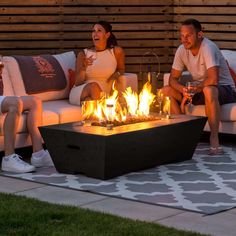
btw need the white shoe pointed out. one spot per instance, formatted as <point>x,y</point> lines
<point>42,161</point>
<point>14,163</point>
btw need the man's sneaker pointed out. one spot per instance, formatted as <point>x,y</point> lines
<point>14,163</point>
<point>42,161</point>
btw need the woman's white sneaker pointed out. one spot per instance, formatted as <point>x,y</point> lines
<point>14,163</point>
<point>44,160</point>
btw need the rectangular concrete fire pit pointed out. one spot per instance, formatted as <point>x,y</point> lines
<point>104,154</point>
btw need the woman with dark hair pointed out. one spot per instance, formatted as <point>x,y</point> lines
<point>98,66</point>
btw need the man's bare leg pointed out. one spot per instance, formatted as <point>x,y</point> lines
<point>176,98</point>
<point>213,113</point>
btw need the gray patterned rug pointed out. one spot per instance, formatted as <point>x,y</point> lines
<point>204,184</point>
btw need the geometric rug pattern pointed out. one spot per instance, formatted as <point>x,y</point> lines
<point>205,184</point>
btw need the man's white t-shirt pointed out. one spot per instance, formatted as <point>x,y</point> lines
<point>209,55</point>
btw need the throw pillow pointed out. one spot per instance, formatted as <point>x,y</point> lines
<point>41,73</point>
<point>232,72</point>
<point>66,60</point>
<point>71,78</point>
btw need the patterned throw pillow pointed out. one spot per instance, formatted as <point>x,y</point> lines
<point>66,59</point>
<point>41,73</point>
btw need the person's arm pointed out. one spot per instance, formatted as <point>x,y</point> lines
<point>211,80</point>
<point>120,58</point>
<point>174,80</point>
<point>80,69</point>
<point>81,64</point>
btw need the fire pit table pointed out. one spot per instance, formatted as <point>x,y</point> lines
<point>101,153</point>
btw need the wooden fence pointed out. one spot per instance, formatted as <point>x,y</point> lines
<point>32,27</point>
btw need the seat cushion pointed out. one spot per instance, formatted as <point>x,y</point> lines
<point>7,85</point>
<point>228,111</point>
<point>230,56</point>
<point>65,111</point>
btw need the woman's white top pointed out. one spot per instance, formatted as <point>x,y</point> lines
<point>100,71</point>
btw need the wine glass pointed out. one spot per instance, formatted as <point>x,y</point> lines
<point>159,98</point>
<point>91,54</point>
<point>191,90</point>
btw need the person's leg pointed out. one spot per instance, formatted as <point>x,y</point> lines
<point>13,106</point>
<point>212,108</point>
<point>91,91</point>
<point>33,106</point>
<point>176,98</point>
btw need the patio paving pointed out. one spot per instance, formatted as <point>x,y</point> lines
<point>221,224</point>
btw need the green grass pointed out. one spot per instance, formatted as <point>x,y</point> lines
<point>24,216</point>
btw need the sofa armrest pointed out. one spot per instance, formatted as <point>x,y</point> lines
<point>128,80</point>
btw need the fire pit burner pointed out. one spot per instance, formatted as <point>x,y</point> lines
<point>131,120</point>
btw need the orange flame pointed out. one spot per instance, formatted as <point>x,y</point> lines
<point>109,109</point>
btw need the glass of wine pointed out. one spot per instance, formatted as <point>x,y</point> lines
<point>91,54</point>
<point>191,90</point>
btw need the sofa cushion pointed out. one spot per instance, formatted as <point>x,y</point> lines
<point>66,60</point>
<point>7,85</point>
<point>230,56</point>
<point>232,73</point>
<point>65,111</point>
<point>228,111</point>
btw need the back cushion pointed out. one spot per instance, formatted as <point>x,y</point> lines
<point>230,56</point>
<point>7,85</point>
<point>66,60</point>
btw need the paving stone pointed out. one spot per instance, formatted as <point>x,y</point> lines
<point>11,185</point>
<point>132,209</point>
<point>62,196</point>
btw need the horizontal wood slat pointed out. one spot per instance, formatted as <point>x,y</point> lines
<point>210,10</point>
<point>84,18</point>
<point>208,18</point>
<point>82,44</point>
<point>83,35</point>
<point>85,2</point>
<point>204,2</point>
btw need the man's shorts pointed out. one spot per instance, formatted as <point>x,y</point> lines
<point>1,100</point>
<point>226,95</point>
